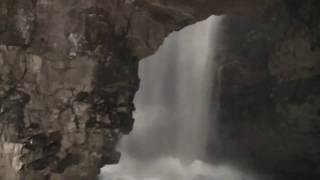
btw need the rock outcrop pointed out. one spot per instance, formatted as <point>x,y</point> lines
<point>68,76</point>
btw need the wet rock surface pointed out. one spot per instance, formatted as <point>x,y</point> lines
<point>269,75</point>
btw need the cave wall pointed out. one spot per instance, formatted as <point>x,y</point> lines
<point>269,77</point>
<point>68,75</point>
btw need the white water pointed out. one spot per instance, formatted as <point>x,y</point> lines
<point>173,116</point>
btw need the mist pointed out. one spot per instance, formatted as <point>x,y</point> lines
<point>173,116</point>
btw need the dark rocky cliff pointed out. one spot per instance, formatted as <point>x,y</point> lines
<point>269,72</point>
<point>68,75</point>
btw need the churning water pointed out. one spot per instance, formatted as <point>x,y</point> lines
<point>172,119</point>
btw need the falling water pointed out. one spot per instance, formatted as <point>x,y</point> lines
<point>173,116</point>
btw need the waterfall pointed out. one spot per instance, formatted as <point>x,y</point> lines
<point>173,113</point>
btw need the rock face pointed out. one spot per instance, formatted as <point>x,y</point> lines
<point>269,71</point>
<point>68,75</point>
